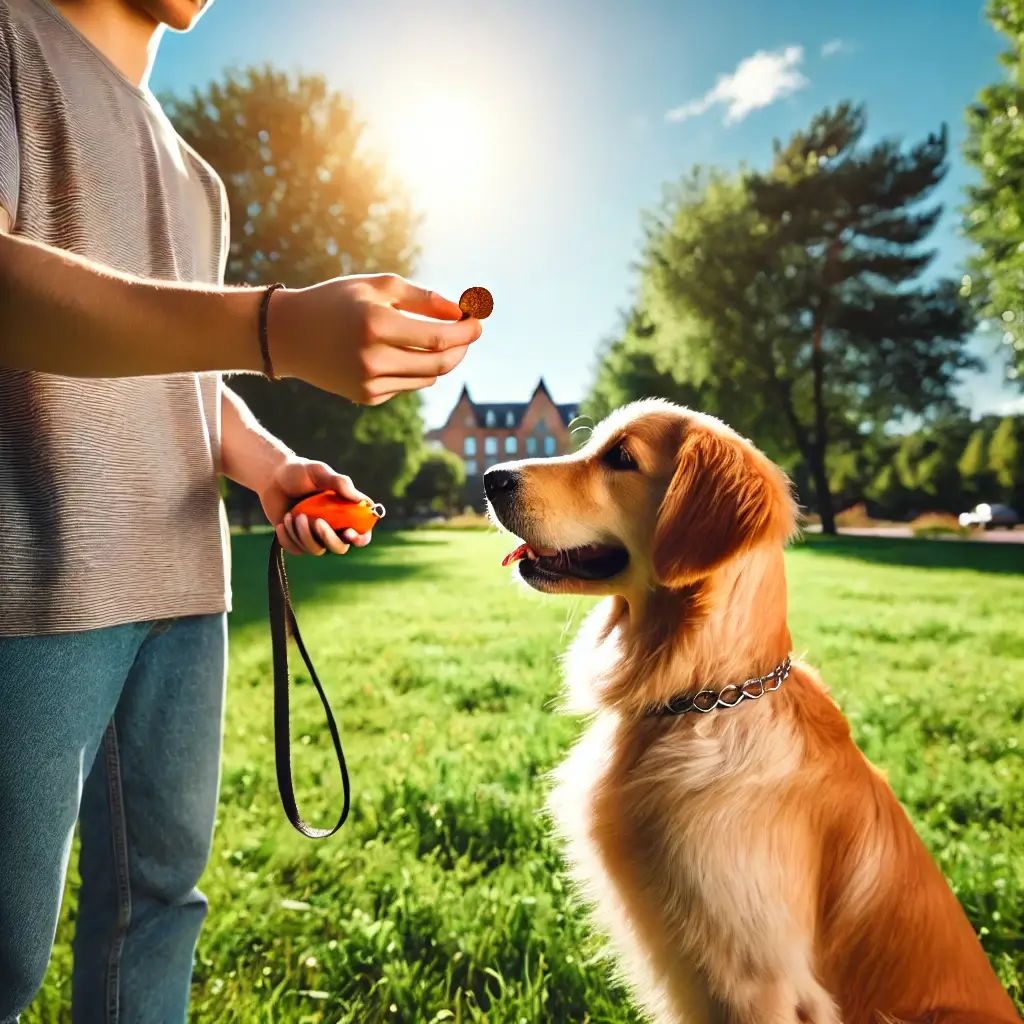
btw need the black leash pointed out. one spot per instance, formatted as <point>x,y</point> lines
<point>283,625</point>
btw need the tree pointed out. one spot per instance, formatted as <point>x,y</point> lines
<point>994,218</point>
<point>792,297</point>
<point>438,482</point>
<point>973,464</point>
<point>628,370</point>
<point>923,473</point>
<point>1005,456</point>
<point>645,361</point>
<point>884,344</point>
<point>308,203</point>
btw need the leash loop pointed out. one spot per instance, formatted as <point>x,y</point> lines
<point>283,625</point>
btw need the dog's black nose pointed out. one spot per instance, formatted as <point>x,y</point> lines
<point>500,483</point>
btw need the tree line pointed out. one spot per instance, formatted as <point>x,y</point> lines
<point>308,201</point>
<point>795,302</point>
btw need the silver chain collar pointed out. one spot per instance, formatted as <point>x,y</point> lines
<point>727,697</point>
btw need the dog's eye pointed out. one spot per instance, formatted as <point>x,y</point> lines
<point>618,457</point>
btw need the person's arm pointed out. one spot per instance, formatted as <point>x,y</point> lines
<point>249,454</point>
<point>254,458</point>
<point>62,314</point>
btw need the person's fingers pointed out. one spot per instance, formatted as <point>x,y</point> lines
<point>412,298</point>
<point>344,486</point>
<point>387,387</point>
<point>329,538</point>
<point>397,364</point>
<point>405,383</point>
<point>359,540</point>
<point>289,529</point>
<point>326,479</point>
<point>309,543</point>
<point>393,328</point>
<point>287,544</point>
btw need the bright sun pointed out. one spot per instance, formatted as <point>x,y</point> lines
<point>441,145</point>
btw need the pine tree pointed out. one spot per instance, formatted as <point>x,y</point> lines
<point>848,222</point>
<point>792,298</point>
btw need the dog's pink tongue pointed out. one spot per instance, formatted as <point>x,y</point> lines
<point>516,556</point>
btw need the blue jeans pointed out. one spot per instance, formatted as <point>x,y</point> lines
<point>121,729</point>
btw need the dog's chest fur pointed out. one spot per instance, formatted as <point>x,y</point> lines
<point>670,832</point>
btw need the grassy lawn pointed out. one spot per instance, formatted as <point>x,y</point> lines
<point>443,899</point>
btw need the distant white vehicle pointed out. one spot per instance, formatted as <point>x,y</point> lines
<point>990,517</point>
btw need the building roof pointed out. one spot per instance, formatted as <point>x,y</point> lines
<point>509,415</point>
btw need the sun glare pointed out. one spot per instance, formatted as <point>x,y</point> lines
<point>441,145</point>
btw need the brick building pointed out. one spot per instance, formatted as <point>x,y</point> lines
<point>485,433</point>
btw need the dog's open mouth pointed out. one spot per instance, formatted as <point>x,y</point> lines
<point>592,562</point>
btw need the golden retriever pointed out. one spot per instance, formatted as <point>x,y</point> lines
<point>746,860</point>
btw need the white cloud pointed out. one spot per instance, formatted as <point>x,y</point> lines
<point>1011,407</point>
<point>835,46</point>
<point>758,81</point>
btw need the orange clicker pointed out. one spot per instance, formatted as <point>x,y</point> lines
<point>340,513</point>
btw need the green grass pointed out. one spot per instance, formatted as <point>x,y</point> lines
<point>443,898</point>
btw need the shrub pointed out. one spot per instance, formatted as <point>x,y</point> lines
<point>938,524</point>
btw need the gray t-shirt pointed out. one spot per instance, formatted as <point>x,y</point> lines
<point>110,506</point>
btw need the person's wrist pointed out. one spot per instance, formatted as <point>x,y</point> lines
<point>285,316</point>
<point>236,323</point>
<point>276,458</point>
<point>254,458</point>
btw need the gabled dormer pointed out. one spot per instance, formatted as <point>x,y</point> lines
<point>464,415</point>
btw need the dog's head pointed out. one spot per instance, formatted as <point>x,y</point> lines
<point>659,497</point>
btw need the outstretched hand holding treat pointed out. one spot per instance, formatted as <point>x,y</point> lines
<point>386,352</point>
<point>348,335</point>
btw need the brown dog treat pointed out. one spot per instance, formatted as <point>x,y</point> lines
<point>476,302</point>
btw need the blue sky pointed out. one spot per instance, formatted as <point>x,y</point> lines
<point>533,132</point>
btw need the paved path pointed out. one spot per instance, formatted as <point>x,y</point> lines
<point>904,533</point>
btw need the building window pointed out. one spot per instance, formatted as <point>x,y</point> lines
<point>511,447</point>
<point>469,446</point>
<point>510,420</point>
<point>470,467</point>
<point>490,462</point>
<point>470,421</point>
<point>531,446</point>
<point>490,446</point>
<point>490,418</point>
<point>549,445</point>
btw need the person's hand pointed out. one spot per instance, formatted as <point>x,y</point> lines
<point>350,336</point>
<point>295,478</point>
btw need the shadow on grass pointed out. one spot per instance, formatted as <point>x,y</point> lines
<point>308,576</point>
<point>975,556</point>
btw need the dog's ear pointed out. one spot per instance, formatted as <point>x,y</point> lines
<point>717,505</point>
